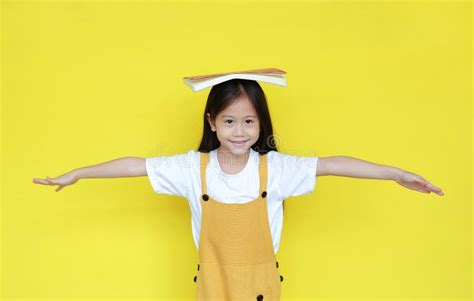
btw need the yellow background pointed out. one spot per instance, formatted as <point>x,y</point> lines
<point>88,82</point>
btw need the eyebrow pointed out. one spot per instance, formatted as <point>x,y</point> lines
<point>244,116</point>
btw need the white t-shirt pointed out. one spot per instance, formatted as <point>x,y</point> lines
<point>287,176</point>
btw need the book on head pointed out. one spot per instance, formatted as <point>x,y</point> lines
<point>269,75</point>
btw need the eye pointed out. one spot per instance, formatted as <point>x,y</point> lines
<point>251,121</point>
<point>228,120</point>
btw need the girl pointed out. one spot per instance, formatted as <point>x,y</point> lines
<point>236,184</point>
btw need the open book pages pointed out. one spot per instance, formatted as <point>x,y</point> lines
<point>270,75</point>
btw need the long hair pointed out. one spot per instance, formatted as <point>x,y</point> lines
<point>224,94</point>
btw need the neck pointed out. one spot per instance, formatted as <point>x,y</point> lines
<point>227,156</point>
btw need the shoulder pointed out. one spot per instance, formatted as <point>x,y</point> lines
<point>285,160</point>
<point>295,174</point>
<point>183,159</point>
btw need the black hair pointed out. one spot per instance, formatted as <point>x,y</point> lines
<point>224,94</point>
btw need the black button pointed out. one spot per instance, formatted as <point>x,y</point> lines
<point>264,194</point>
<point>198,266</point>
<point>277,263</point>
<point>195,277</point>
<point>281,278</point>
<point>205,197</point>
<point>260,297</point>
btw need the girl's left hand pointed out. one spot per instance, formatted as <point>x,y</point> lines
<point>416,182</point>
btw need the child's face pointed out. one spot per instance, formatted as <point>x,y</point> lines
<point>237,122</point>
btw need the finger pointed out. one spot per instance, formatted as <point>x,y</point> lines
<point>41,181</point>
<point>437,190</point>
<point>432,187</point>
<point>428,185</point>
<point>51,181</point>
<point>422,181</point>
<point>422,190</point>
<point>60,187</point>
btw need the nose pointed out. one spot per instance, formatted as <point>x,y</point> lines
<point>238,130</point>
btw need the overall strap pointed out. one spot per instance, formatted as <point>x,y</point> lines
<point>262,168</point>
<point>204,160</point>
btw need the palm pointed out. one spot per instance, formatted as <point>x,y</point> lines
<point>62,180</point>
<point>418,183</point>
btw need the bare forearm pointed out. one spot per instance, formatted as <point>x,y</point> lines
<point>352,167</point>
<point>121,167</point>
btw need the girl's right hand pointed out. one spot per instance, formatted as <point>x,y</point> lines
<point>62,180</point>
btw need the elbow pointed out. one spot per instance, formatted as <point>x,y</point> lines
<point>324,166</point>
<point>137,167</point>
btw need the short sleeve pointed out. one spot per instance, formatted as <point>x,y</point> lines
<point>171,174</point>
<point>296,174</point>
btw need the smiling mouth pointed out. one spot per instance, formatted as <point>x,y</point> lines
<point>239,142</point>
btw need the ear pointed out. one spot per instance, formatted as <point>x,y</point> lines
<point>211,122</point>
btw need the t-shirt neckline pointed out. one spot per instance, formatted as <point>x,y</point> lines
<point>217,165</point>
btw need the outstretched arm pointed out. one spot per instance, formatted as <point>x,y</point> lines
<point>352,167</point>
<point>121,167</point>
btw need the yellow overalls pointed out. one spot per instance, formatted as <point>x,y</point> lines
<point>236,257</point>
